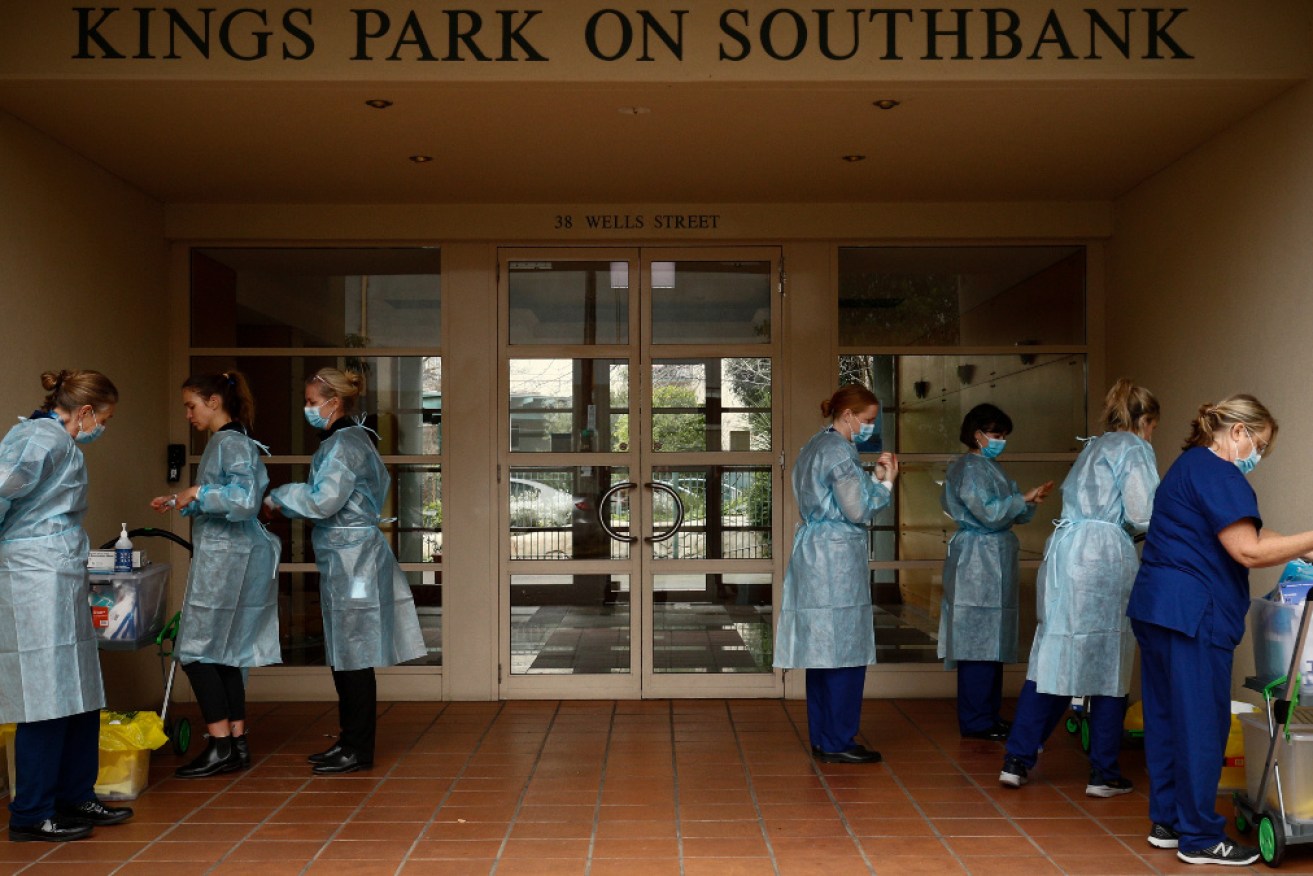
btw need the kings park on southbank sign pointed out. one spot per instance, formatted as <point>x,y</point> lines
<point>759,33</point>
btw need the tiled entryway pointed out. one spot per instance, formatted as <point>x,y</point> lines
<point>721,787</point>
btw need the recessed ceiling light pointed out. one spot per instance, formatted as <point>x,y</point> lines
<point>378,103</point>
<point>886,103</point>
<point>421,159</point>
<point>853,159</point>
<point>634,110</point>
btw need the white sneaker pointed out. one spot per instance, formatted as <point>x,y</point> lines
<point>1226,853</point>
<point>1014,774</point>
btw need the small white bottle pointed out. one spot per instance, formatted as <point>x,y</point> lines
<point>123,551</point>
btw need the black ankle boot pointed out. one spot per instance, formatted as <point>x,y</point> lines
<point>220,756</point>
<point>243,750</point>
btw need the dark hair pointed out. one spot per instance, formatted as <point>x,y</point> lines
<point>233,392</point>
<point>983,418</point>
<point>70,390</point>
<point>853,397</point>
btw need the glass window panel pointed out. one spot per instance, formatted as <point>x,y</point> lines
<point>712,623</point>
<point>554,513</point>
<point>272,297</point>
<point>908,604</point>
<point>969,296</point>
<point>711,404</point>
<point>569,405</point>
<point>568,302</point>
<point>415,498</point>
<point>926,397</point>
<point>730,520</point>
<point>569,624</point>
<point>301,619</point>
<point>402,402</point>
<point>697,302</point>
<point>923,529</point>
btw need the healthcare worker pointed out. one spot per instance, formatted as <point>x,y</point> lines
<point>1187,610</point>
<point>369,613</point>
<point>230,612</point>
<point>825,623</point>
<point>978,615</point>
<point>1083,642</point>
<point>50,683</point>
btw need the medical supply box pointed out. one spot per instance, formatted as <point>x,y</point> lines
<point>1296,759</point>
<point>1273,627</point>
<point>103,561</point>
<point>128,608</point>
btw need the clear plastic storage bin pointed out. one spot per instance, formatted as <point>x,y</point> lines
<point>1273,627</point>
<point>127,608</point>
<point>1294,766</point>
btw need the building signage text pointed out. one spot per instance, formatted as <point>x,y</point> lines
<point>739,34</point>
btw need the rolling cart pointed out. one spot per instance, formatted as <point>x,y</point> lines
<point>1280,803</point>
<point>164,635</point>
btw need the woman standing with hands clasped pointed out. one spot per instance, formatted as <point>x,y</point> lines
<point>1187,610</point>
<point>1083,642</point>
<point>50,683</point>
<point>825,624</point>
<point>230,612</point>
<point>369,613</point>
<point>978,618</point>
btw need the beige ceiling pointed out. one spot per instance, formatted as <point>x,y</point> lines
<point>185,142</point>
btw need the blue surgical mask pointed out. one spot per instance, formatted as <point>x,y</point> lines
<point>993,447</point>
<point>315,418</point>
<point>87,437</point>
<point>1250,462</point>
<point>864,432</point>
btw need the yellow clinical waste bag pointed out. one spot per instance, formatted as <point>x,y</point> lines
<point>126,741</point>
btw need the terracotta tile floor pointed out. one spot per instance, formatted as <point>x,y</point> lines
<point>689,787</point>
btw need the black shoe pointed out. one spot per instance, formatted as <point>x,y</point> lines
<point>93,813</point>
<point>327,754</point>
<point>1225,852</point>
<point>1114,787</point>
<point>220,756</point>
<point>1014,773</point>
<point>343,762</point>
<point>856,754</point>
<point>243,750</point>
<point>996,733</point>
<point>1163,837</point>
<point>48,831</point>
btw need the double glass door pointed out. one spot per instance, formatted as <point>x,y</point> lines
<point>638,474</point>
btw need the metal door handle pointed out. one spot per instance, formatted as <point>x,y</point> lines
<point>601,512</point>
<point>657,486</point>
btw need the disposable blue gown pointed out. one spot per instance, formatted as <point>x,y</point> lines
<point>230,613</point>
<point>825,617</point>
<point>1083,643</point>
<point>978,619</point>
<point>369,612</point>
<point>49,667</point>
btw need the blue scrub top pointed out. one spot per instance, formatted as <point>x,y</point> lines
<point>1186,575</point>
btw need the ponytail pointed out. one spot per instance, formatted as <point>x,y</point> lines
<point>1214,418</point>
<point>853,397</point>
<point>1127,406</point>
<point>233,391</point>
<point>347,386</point>
<point>70,390</point>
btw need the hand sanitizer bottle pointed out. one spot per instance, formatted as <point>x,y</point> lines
<point>123,551</point>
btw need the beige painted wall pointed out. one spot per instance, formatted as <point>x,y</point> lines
<point>82,286</point>
<point>1209,294</point>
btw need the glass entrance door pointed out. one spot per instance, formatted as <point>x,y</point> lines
<point>639,472</point>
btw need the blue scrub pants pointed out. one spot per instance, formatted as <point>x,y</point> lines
<point>55,765</point>
<point>834,706</point>
<point>1186,682</point>
<point>979,694</point>
<point>1038,715</point>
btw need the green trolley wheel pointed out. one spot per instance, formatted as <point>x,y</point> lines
<point>1242,825</point>
<point>1085,735</point>
<point>1072,725</point>
<point>181,736</point>
<point>1271,840</point>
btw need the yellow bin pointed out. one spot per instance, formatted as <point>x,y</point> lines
<point>1233,762</point>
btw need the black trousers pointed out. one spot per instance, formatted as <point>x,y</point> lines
<point>219,690</point>
<point>357,710</point>
<point>56,763</point>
